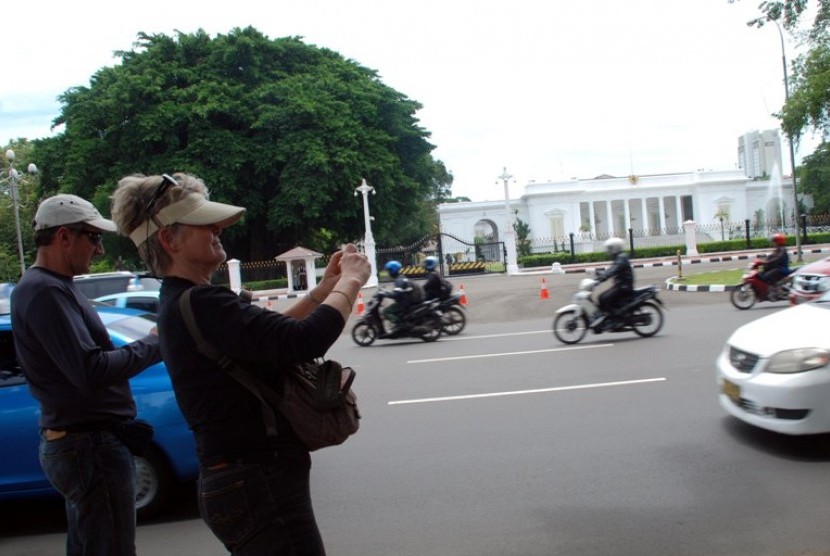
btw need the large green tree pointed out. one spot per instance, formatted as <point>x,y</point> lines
<point>814,177</point>
<point>808,105</point>
<point>790,12</point>
<point>286,129</point>
<point>27,193</point>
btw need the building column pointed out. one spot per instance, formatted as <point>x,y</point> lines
<point>661,214</point>
<point>610,217</point>
<point>644,212</point>
<point>627,215</point>
<point>592,219</point>
<point>679,204</point>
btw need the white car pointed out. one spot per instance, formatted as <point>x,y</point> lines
<point>774,372</point>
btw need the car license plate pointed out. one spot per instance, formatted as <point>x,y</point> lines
<point>731,390</point>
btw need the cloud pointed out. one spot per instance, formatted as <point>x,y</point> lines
<point>548,88</point>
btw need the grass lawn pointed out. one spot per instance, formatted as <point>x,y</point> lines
<point>726,277</point>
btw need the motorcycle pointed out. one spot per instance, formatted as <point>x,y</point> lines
<point>640,314</point>
<point>424,320</point>
<point>452,314</point>
<point>753,289</point>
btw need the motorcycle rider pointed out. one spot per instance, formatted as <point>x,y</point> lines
<point>435,287</point>
<point>405,294</point>
<point>623,275</point>
<point>777,263</point>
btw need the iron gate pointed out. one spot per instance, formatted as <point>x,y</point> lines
<point>458,257</point>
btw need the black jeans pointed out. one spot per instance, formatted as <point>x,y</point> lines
<point>95,473</point>
<point>613,298</point>
<point>259,509</point>
<point>774,275</point>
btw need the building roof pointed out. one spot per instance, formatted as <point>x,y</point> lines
<point>298,253</point>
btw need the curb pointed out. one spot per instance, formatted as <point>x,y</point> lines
<point>270,295</point>
<point>669,285</point>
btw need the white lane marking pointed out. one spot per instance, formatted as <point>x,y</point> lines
<point>485,336</point>
<point>484,355</point>
<point>524,392</point>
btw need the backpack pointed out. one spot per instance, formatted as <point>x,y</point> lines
<point>445,289</point>
<point>317,397</point>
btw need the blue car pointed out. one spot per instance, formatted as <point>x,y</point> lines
<point>171,459</point>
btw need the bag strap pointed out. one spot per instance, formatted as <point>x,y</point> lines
<point>262,392</point>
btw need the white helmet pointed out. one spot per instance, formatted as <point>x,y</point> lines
<point>613,245</point>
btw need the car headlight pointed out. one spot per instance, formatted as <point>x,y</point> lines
<point>798,360</point>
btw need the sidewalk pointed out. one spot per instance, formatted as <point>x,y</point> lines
<point>265,297</point>
<point>675,261</point>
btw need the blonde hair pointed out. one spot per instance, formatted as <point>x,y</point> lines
<point>134,202</point>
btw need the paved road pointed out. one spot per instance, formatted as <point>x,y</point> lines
<point>595,449</point>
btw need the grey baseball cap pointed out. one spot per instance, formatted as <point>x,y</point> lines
<point>65,209</point>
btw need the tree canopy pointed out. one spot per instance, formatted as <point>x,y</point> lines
<point>27,187</point>
<point>808,105</point>
<point>814,177</point>
<point>285,129</point>
<point>790,12</point>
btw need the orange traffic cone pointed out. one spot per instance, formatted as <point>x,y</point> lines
<point>463,299</point>
<point>543,293</point>
<point>360,306</point>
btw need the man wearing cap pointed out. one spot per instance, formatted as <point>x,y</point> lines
<point>80,379</point>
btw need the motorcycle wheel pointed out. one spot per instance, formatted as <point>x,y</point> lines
<point>647,319</point>
<point>743,297</point>
<point>435,329</point>
<point>570,327</point>
<point>453,321</point>
<point>364,334</point>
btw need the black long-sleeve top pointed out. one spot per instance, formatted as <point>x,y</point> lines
<point>71,366</point>
<point>779,258</point>
<point>621,271</point>
<point>225,417</point>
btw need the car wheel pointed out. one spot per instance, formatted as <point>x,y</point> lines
<point>153,481</point>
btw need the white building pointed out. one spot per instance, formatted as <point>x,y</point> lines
<point>655,206</point>
<point>759,152</point>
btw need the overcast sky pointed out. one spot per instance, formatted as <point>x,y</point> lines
<point>549,89</point>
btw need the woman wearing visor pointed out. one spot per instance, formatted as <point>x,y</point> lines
<point>253,488</point>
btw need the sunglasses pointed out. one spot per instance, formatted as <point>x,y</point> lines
<point>97,238</point>
<point>167,182</point>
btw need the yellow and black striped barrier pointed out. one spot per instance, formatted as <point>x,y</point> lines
<point>467,268</point>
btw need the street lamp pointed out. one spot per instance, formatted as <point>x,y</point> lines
<point>759,22</point>
<point>509,232</point>
<point>11,186</point>
<point>369,239</point>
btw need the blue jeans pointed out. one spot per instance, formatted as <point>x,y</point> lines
<point>95,473</point>
<point>261,509</point>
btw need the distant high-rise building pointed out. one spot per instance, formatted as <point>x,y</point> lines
<point>759,152</point>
